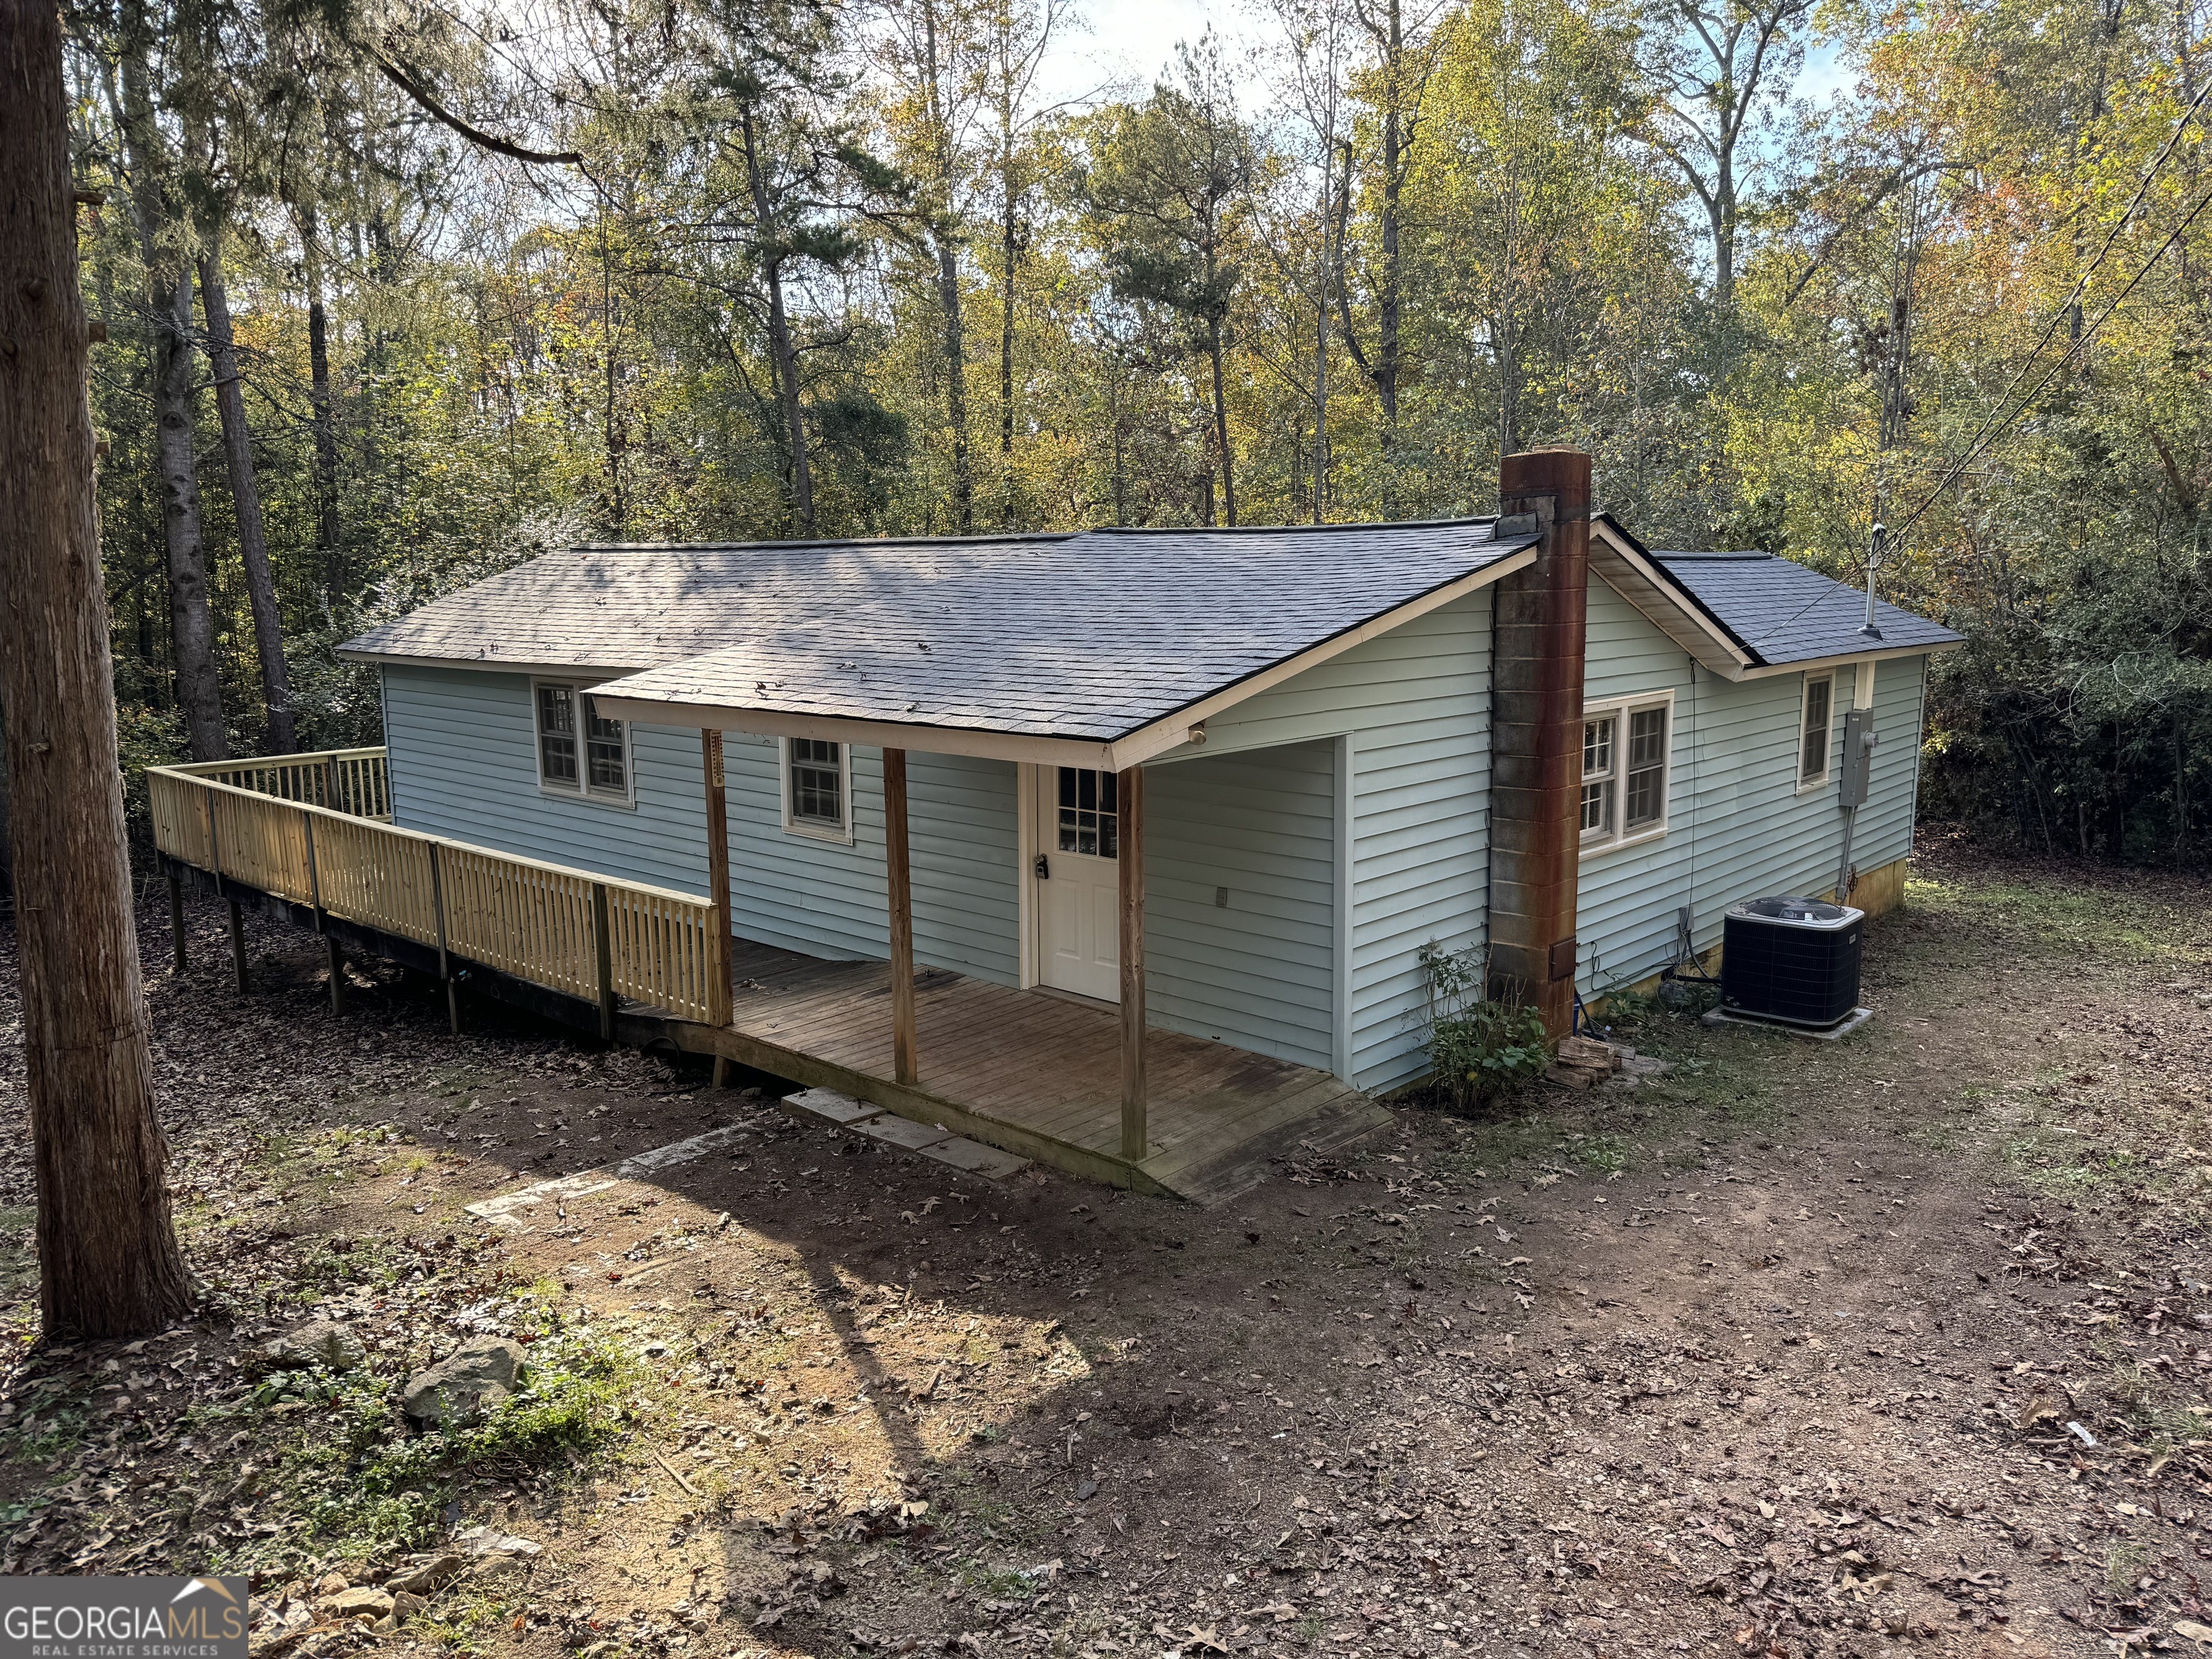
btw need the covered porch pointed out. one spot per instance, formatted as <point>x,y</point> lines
<point>1084,1085</point>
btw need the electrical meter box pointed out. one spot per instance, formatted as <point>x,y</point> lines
<point>1858,756</point>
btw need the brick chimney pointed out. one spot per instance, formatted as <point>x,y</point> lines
<point>1536,736</point>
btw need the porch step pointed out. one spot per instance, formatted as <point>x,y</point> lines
<point>1215,1179</point>
<point>827,1106</point>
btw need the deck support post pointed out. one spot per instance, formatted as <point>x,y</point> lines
<point>177,920</point>
<point>1129,862</point>
<point>444,965</point>
<point>719,990</point>
<point>603,948</point>
<point>238,946</point>
<point>901,910</point>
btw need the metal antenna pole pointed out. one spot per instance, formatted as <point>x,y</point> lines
<point>1874,562</point>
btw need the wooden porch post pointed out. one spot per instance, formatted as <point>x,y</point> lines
<point>1129,860</point>
<point>902,907</point>
<point>719,990</point>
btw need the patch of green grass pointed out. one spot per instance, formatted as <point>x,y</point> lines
<point>2060,1164</point>
<point>363,1485</point>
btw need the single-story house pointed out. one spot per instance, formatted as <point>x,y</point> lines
<point>1317,722</point>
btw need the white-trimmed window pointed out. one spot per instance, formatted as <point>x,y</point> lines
<point>1626,765</point>
<point>1816,720</point>
<point>579,752</point>
<point>817,789</point>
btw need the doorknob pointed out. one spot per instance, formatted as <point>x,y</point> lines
<point>1043,868</point>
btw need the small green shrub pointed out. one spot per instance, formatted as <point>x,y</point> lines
<point>1480,1050</point>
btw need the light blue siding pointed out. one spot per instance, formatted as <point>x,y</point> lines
<point>463,764</point>
<point>1413,708</point>
<point>1737,826</point>
<point>1258,829</point>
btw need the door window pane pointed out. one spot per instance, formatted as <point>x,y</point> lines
<point>556,735</point>
<point>818,783</point>
<point>1090,819</point>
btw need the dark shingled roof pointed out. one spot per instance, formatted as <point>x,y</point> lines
<point>1786,612</point>
<point>1090,636</point>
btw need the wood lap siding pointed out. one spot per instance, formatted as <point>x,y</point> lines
<point>1259,972</point>
<point>1737,826</point>
<point>463,762</point>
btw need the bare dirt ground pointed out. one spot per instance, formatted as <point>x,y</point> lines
<point>1891,1346</point>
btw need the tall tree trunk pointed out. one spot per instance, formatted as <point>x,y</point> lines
<point>1008,238</point>
<point>1392,299</point>
<point>176,444</point>
<point>1221,424</point>
<point>1321,334</point>
<point>948,283</point>
<point>108,1261</point>
<point>780,346</point>
<point>326,428</point>
<point>245,497</point>
<point>956,381</point>
<point>191,628</point>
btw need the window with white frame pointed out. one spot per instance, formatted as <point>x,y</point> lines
<point>1815,731</point>
<point>1626,750</point>
<point>580,752</point>
<point>817,789</point>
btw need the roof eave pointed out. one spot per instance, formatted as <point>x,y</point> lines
<point>1627,566</point>
<point>593,672</point>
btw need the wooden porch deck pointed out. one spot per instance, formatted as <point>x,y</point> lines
<point>1034,1073</point>
<point>1031,1072</point>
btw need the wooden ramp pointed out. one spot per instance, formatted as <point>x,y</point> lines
<point>1034,1073</point>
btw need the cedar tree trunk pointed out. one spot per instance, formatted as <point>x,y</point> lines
<point>108,1261</point>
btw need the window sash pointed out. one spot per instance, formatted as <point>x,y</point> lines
<point>1625,768</point>
<point>580,753</point>
<point>816,769</point>
<point>1645,801</point>
<point>1814,741</point>
<point>557,736</point>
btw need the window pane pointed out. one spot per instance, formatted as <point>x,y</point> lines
<point>818,783</point>
<point>1597,747</point>
<point>1647,796</point>
<point>1813,759</point>
<point>556,735</point>
<point>609,765</point>
<point>1597,808</point>
<point>1647,736</point>
<point>1087,820</point>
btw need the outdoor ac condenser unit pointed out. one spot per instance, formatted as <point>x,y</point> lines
<point>1794,960</point>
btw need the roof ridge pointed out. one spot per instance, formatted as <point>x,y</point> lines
<point>823,541</point>
<point>1282,529</point>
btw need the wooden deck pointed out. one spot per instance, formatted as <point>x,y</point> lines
<point>1036,1074</point>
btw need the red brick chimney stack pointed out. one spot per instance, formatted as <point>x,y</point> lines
<point>1536,736</point>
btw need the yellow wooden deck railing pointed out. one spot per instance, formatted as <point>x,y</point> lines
<point>313,829</point>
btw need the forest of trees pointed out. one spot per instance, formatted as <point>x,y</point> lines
<point>394,294</point>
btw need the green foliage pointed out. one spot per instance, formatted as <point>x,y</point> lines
<point>1480,1050</point>
<point>367,1486</point>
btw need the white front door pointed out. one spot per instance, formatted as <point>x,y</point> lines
<point>1078,882</point>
